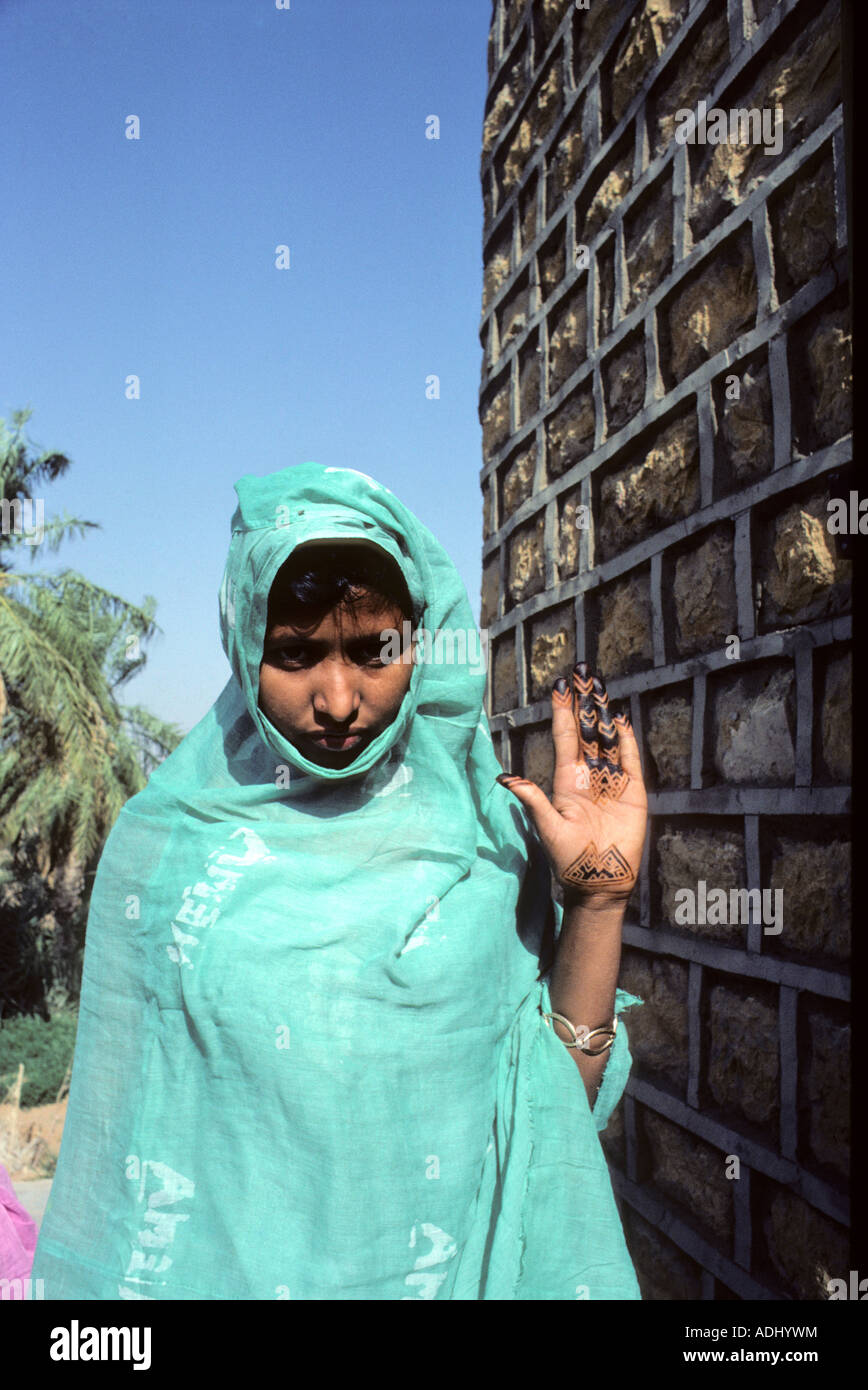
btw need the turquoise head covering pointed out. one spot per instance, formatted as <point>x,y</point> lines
<point>310,1060</point>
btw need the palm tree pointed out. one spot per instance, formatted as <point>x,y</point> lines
<point>70,753</point>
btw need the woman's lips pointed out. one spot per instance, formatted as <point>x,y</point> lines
<point>336,743</point>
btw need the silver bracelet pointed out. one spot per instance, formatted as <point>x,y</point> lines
<point>583,1034</point>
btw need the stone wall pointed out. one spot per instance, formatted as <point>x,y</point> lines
<point>665,405</point>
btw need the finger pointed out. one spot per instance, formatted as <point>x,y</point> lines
<point>585,712</point>
<point>607,733</point>
<point>630,760</point>
<point>564,732</point>
<point>543,813</point>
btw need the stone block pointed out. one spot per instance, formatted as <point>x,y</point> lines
<point>711,309</point>
<point>683,856</point>
<point>803,221</point>
<point>668,738</point>
<point>836,732</point>
<point>802,575</point>
<point>624,382</point>
<point>658,1031</point>
<point>703,592</point>
<point>529,374</point>
<point>495,420</point>
<point>497,263</point>
<point>527,204</point>
<point>692,1174</point>
<point>753,726</point>
<point>745,436</point>
<point>804,1247</point>
<point>490,590</point>
<point>504,683</point>
<point>570,431</point>
<point>625,643</point>
<point>658,487</point>
<point>537,756</point>
<point>825,1090</point>
<point>552,261</point>
<point>649,31</point>
<point>743,1052</point>
<point>690,76</point>
<point>568,534</point>
<point>565,161</point>
<point>648,244</point>
<point>605,290</point>
<point>821,379</point>
<point>526,561</point>
<point>610,192</point>
<point>814,879</point>
<point>514,314</point>
<point>568,333</point>
<point>664,1272</point>
<point>518,478</point>
<point>552,649</point>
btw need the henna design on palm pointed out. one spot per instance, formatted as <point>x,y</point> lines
<point>601,870</point>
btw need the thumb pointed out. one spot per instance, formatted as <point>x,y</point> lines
<point>542,812</point>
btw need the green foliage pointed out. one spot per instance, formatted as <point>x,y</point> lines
<point>44,1048</point>
<point>70,753</point>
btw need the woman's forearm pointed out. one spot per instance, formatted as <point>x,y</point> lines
<point>584,977</point>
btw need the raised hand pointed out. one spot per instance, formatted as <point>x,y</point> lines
<point>593,829</point>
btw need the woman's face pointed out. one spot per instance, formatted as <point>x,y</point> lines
<point>325,685</point>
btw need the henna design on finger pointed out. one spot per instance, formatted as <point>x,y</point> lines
<point>607,783</point>
<point>607,870</point>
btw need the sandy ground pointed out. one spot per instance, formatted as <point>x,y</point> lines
<point>33,1137</point>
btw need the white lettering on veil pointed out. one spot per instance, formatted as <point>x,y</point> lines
<point>201,901</point>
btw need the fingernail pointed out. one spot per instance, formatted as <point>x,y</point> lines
<point>505,777</point>
<point>561,685</point>
<point>599,687</point>
<point>581,669</point>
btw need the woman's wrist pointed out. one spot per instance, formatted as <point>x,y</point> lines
<point>597,907</point>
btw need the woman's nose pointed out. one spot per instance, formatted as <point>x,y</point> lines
<point>337,695</point>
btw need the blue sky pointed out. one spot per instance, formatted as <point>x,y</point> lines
<point>156,257</point>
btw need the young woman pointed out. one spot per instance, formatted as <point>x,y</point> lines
<point>327,1046</point>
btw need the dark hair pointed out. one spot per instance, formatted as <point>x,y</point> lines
<point>319,579</point>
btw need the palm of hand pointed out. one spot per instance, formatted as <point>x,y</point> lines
<point>593,829</point>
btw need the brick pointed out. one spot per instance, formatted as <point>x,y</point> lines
<point>805,80</point>
<point>648,244</point>
<point>552,262</point>
<point>526,561</point>
<point>668,736</point>
<point>518,477</point>
<point>495,420</point>
<point>659,1029</point>
<point>804,228</point>
<point>815,882</point>
<point>743,1065</point>
<point>537,757</point>
<point>529,374</point>
<point>804,1247</point>
<point>610,192</point>
<point>539,118</point>
<point>745,437</point>
<point>650,30</point>
<point>684,855</point>
<point>802,576</point>
<point>692,1174</point>
<point>715,306</point>
<point>624,382</point>
<point>691,75</point>
<point>490,591</point>
<point>568,331</point>
<point>664,1272</point>
<point>552,649</point>
<point>515,314</point>
<point>836,719</point>
<point>753,723</point>
<point>503,103</point>
<point>821,379</point>
<point>703,591</point>
<point>497,262</point>
<point>658,487</point>
<point>567,539</point>
<point>504,682</point>
<point>625,643</point>
<point>565,161</point>
<point>605,290</point>
<point>825,1089</point>
<point>570,431</point>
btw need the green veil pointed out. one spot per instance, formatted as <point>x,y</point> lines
<point>310,1060</point>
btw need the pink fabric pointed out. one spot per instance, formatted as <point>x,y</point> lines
<point>18,1233</point>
